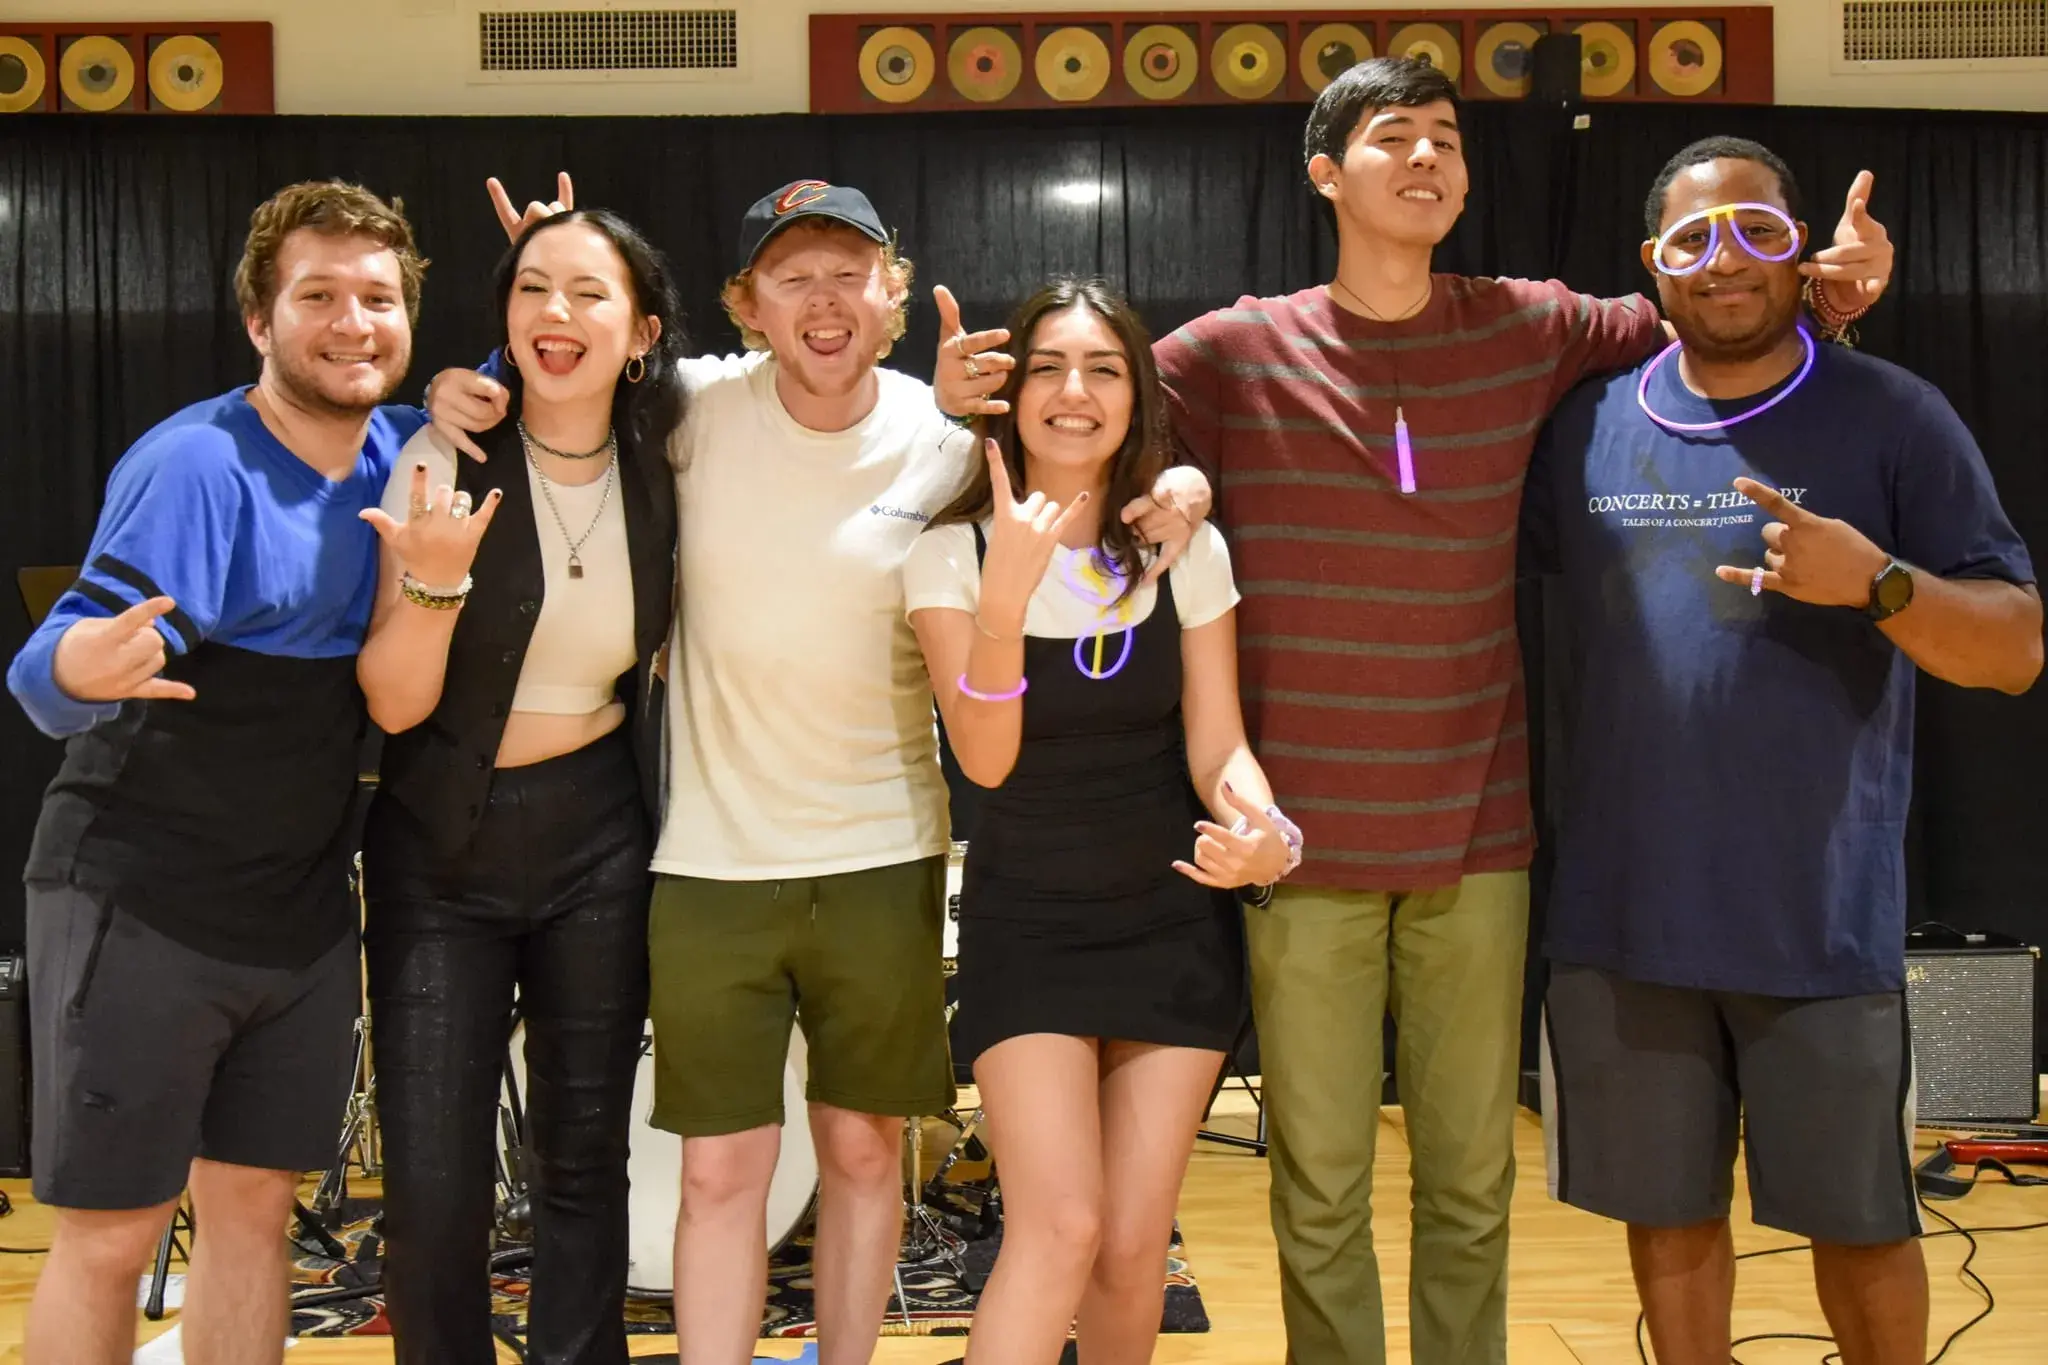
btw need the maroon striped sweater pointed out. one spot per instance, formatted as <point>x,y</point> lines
<point>1381,676</point>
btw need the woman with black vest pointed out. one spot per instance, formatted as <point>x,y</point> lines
<point>515,668</point>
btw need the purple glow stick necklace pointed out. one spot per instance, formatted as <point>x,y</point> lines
<point>1112,590</point>
<point>1643,392</point>
<point>1404,453</point>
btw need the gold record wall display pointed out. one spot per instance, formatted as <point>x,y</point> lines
<point>1160,62</point>
<point>1329,50</point>
<point>96,73</point>
<point>896,64</point>
<point>1607,59</point>
<point>1072,65</point>
<point>22,77</point>
<point>1248,61</point>
<point>1504,58</point>
<point>1684,58</point>
<point>1432,42</point>
<point>185,73</point>
<point>984,64</point>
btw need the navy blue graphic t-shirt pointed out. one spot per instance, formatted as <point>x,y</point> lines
<point>1738,766</point>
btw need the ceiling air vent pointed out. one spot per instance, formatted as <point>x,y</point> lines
<point>1891,31</point>
<point>629,40</point>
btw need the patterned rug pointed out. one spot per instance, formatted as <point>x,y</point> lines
<point>938,1297</point>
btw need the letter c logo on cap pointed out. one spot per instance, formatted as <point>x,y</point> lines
<point>801,193</point>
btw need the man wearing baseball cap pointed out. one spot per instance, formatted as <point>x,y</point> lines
<point>801,865</point>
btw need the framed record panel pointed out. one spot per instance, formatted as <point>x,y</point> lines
<point>889,63</point>
<point>154,68</point>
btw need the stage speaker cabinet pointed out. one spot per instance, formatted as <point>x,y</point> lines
<point>1970,1001</point>
<point>1554,69</point>
<point>14,1073</point>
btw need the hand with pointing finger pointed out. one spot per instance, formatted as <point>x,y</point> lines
<point>968,369</point>
<point>1254,854</point>
<point>1854,271</point>
<point>1020,547</point>
<point>1810,558</point>
<point>515,222</point>
<point>113,658</point>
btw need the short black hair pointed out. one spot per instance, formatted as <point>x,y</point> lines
<point>1372,85</point>
<point>1719,149</point>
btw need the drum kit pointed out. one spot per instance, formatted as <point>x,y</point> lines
<point>942,1212</point>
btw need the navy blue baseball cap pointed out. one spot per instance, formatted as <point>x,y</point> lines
<point>802,199</point>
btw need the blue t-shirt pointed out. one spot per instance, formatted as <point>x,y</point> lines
<point>258,549</point>
<point>1738,768</point>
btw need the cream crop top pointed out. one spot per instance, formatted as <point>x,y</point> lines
<point>583,638</point>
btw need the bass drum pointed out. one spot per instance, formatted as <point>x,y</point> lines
<point>654,1165</point>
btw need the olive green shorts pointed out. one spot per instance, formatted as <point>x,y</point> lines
<point>853,958</point>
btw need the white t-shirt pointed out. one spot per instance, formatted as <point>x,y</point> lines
<point>802,737</point>
<point>583,638</point>
<point>942,572</point>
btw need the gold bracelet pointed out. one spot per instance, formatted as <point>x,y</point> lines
<point>420,595</point>
<point>1003,639</point>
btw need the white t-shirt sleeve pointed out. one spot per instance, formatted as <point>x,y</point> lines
<point>425,448</point>
<point>1203,588</point>
<point>941,570</point>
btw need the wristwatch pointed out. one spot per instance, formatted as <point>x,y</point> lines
<point>1891,592</point>
<point>1257,897</point>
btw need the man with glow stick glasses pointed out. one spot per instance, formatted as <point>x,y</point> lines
<point>1726,923</point>
<point>1368,439</point>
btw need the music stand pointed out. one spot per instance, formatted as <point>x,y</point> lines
<point>1233,1066</point>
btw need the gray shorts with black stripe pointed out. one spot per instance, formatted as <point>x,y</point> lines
<point>1646,1087</point>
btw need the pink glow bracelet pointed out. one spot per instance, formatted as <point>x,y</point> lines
<point>967,691</point>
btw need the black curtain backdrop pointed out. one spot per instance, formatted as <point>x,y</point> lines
<point>119,236</point>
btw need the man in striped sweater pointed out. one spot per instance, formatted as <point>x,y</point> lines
<point>1383,688</point>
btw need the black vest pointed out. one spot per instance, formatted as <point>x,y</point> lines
<point>440,770</point>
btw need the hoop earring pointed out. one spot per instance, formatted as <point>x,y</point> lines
<point>633,376</point>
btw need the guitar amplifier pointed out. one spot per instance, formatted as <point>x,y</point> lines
<point>1971,1005</point>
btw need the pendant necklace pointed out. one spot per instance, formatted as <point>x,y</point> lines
<point>547,491</point>
<point>1404,454</point>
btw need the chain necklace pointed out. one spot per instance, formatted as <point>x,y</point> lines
<point>1404,453</point>
<point>609,446</point>
<point>547,491</point>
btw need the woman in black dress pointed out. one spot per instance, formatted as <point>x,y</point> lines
<point>1101,960</point>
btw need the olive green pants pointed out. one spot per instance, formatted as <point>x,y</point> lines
<point>1327,966</point>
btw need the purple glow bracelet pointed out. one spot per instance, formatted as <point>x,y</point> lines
<point>1403,450</point>
<point>1081,661</point>
<point>1643,391</point>
<point>967,691</point>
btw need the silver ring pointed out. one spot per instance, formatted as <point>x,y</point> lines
<point>973,370</point>
<point>462,507</point>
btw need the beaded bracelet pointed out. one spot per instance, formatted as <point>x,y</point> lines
<point>1290,834</point>
<point>1834,323</point>
<point>967,691</point>
<point>435,599</point>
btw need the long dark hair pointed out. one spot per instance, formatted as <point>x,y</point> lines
<point>646,412</point>
<point>1137,462</point>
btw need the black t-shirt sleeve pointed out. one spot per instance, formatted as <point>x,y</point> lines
<point>1946,517</point>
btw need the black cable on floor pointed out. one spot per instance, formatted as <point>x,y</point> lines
<point>1969,1275</point>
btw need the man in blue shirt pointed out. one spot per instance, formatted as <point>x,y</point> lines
<point>1760,539</point>
<point>192,947</point>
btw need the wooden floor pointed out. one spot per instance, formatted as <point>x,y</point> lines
<point>1571,1299</point>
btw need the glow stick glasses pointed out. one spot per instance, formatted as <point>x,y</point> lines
<point>1763,230</point>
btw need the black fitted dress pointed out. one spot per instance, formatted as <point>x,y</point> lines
<point>1072,918</point>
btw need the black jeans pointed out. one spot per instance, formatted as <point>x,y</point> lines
<point>551,898</point>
